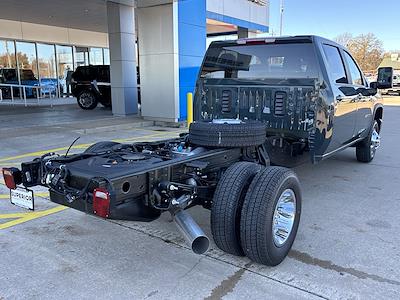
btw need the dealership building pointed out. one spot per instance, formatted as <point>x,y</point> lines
<point>166,39</point>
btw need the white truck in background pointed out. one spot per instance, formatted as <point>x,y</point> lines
<point>396,84</point>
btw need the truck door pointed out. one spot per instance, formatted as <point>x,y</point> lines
<point>364,101</point>
<point>345,99</point>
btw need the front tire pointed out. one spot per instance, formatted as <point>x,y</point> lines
<point>87,100</point>
<point>227,205</point>
<point>366,150</point>
<point>271,215</point>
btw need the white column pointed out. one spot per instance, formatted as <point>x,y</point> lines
<point>159,62</point>
<point>172,41</point>
<point>121,35</point>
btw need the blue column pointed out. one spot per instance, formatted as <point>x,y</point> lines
<point>192,32</point>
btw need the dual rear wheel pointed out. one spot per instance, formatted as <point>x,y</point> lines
<point>256,212</point>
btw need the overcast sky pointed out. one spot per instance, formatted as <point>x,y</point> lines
<point>330,18</point>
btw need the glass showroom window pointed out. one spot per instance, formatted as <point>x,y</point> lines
<point>65,64</point>
<point>7,54</point>
<point>8,67</point>
<point>27,65</point>
<point>47,69</point>
<point>81,55</point>
<point>106,54</point>
<point>96,56</point>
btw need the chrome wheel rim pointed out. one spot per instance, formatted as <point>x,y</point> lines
<point>375,139</point>
<point>284,216</point>
<point>86,99</point>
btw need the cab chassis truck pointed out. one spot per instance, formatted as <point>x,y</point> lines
<point>261,105</point>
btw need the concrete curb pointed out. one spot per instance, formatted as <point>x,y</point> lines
<point>115,127</point>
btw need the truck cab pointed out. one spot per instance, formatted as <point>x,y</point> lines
<point>309,91</point>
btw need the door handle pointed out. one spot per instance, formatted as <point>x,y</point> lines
<point>339,98</point>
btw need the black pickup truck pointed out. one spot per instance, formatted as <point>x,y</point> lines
<point>261,105</point>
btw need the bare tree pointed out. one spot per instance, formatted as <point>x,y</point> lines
<point>344,39</point>
<point>367,49</point>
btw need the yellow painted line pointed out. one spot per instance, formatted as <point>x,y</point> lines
<point>167,134</point>
<point>42,195</point>
<point>25,217</point>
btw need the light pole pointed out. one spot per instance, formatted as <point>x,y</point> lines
<point>282,11</point>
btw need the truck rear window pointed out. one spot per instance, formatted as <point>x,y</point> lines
<point>267,61</point>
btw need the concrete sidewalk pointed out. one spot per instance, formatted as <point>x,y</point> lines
<point>25,121</point>
<point>34,102</point>
<point>392,100</point>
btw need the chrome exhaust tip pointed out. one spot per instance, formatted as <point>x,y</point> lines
<point>193,234</point>
<point>200,245</point>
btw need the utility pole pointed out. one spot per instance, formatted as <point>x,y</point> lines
<point>282,11</point>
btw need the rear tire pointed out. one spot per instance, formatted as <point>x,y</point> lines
<point>271,215</point>
<point>87,100</point>
<point>366,150</point>
<point>227,205</point>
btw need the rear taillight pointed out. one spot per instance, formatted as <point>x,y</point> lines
<point>12,177</point>
<point>101,202</point>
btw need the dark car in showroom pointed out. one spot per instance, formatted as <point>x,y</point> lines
<point>91,86</point>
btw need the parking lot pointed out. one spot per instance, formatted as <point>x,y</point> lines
<point>347,247</point>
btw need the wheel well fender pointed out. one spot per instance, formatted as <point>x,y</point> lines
<point>378,115</point>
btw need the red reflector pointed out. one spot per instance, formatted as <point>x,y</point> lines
<point>101,202</point>
<point>12,177</point>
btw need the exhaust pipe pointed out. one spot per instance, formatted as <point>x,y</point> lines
<point>192,232</point>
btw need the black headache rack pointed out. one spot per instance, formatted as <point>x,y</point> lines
<point>286,107</point>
